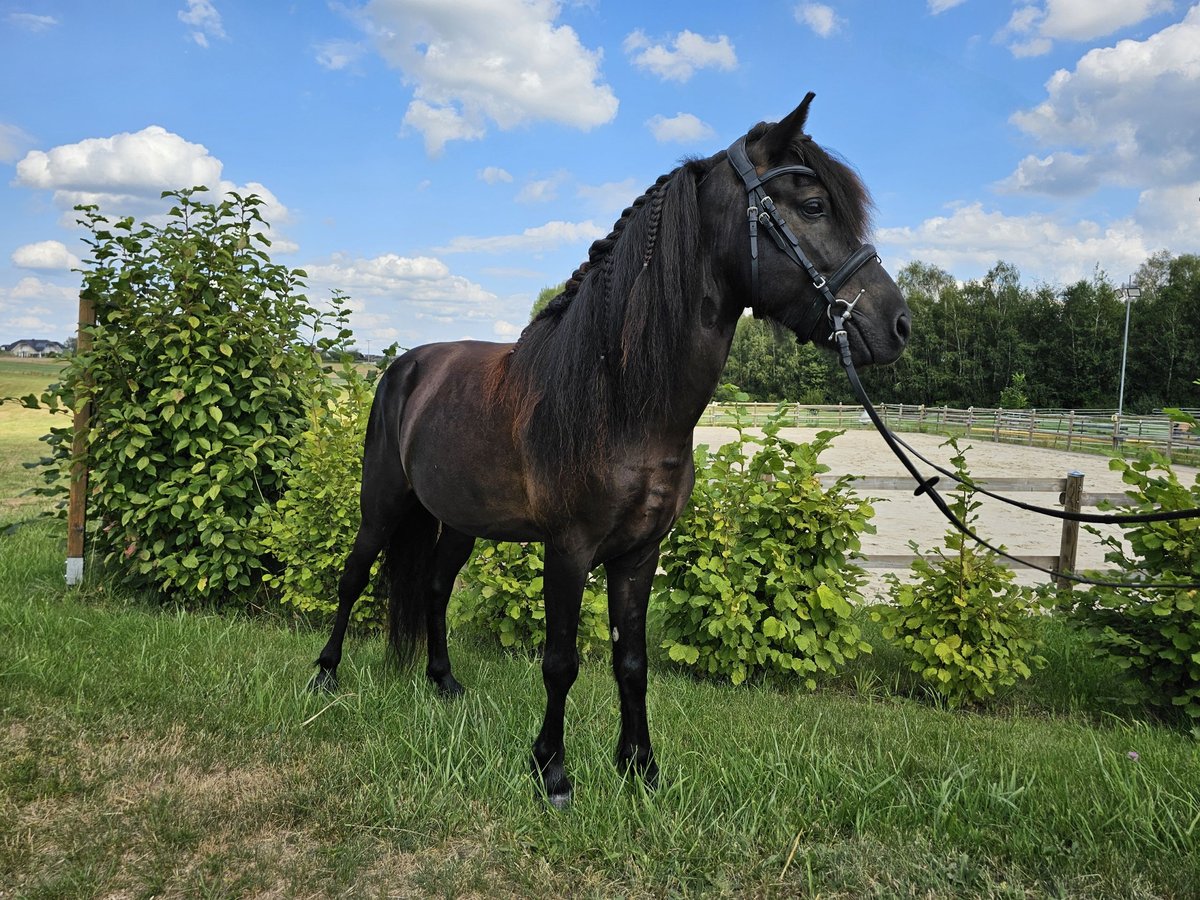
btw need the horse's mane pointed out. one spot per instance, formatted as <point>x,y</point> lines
<point>596,365</point>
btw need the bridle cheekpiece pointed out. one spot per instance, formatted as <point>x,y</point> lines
<point>761,211</point>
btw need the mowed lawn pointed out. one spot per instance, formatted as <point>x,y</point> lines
<point>147,752</point>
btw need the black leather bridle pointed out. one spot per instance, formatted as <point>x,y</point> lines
<point>761,210</point>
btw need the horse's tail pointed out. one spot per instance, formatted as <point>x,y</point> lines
<point>408,574</point>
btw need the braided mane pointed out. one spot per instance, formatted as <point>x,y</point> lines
<point>596,364</point>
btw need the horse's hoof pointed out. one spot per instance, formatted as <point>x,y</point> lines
<point>324,682</point>
<point>449,687</point>
<point>560,801</point>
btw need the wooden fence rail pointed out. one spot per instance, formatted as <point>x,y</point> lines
<point>1060,429</point>
<point>1071,497</point>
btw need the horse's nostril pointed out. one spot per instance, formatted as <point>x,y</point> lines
<point>903,327</point>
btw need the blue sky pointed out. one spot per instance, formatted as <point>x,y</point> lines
<point>443,160</point>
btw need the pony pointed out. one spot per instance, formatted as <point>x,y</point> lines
<point>579,435</point>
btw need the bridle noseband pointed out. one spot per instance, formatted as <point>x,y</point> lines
<point>761,210</point>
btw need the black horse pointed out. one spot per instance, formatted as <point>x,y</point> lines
<point>580,434</point>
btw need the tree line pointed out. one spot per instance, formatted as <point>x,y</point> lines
<point>997,342</point>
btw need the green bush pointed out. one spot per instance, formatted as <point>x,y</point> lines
<point>963,625</point>
<point>1152,635</point>
<point>757,575</point>
<point>205,360</point>
<point>310,530</point>
<point>502,594</point>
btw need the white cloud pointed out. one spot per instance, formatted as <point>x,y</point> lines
<point>421,280</point>
<point>478,61</point>
<point>506,330</point>
<point>336,55</point>
<point>34,308</point>
<point>820,18</point>
<point>31,21</point>
<point>971,239</point>
<point>531,240</point>
<point>204,20</point>
<point>14,142</point>
<point>541,191</point>
<point>936,7</point>
<point>494,175</point>
<point>47,255</point>
<point>124,174</point>
<point>680,128</point>
<point>688,52</point>
<point>1129,114</point>
<point>1032,29</point>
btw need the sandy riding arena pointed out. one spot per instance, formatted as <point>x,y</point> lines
<point>901,517</point>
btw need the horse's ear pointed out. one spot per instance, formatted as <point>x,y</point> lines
<point>781,136</point>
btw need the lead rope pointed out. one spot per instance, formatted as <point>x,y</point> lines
<point>927,485</point>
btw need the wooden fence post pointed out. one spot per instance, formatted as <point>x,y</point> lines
<point>77,500</point>
<point>1072,502</point>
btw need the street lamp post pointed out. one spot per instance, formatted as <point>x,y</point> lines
<point>1129,293</point>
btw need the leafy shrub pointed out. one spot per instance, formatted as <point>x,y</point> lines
<point>757,574</point>
<point>502,594</point>
<point>1154,636</point>
<point>310,531</point>
<point>963,624</point>
<point>203,366</point>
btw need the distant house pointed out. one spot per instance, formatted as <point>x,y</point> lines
<point>32,348</point>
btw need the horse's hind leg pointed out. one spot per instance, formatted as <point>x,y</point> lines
<point>370,541</point>
<point>449,556</point>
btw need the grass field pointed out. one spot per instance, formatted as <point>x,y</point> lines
<point>145,752</point>
<point>20,431</point>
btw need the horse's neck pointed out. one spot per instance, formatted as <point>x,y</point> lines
<point>699,374</point>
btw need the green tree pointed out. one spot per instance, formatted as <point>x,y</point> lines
<point>545,295</point>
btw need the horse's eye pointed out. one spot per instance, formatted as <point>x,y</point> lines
<point>813,208</point>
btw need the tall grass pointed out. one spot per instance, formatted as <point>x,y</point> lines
<point>147,752</point>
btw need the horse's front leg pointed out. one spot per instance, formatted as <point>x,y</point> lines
<point>629,580</point>
<point>564,577</point>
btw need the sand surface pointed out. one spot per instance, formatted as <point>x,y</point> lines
<point>901,517</point>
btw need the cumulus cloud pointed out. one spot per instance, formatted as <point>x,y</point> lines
<point>36,308</point>
<point>687,52</point>
<point>476,62</point>
<point>1032,29</point>
<point>680,128</point>
<point>420,280</point>
<point>204,21</point>
<point>494,175</point>
<point>1130,115</point>
<point>124,174</point>
<point>532,240</point>
<point>970,239</point>
<point>820,18</point>
<point>48,255</point>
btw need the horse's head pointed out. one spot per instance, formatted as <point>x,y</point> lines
<point>794,219</point>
